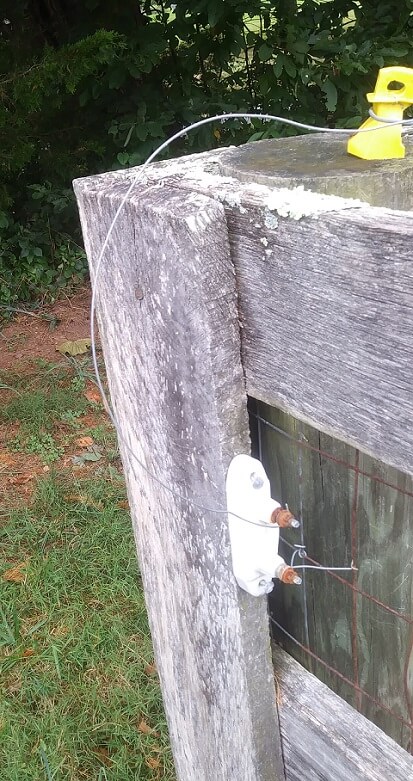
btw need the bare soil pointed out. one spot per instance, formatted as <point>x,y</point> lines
<point>27,338</point>
<point>23,342</point>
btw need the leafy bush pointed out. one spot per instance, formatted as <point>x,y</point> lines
<point>89,85</point>
<point>39,255</point>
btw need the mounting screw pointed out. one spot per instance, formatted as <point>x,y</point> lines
<point>267,585</point>
<point>256,480</point>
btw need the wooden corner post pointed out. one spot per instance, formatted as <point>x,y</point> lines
<point>169,327</point>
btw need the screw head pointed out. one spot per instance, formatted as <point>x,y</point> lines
<point>267,585</point>
<point>256,480</point>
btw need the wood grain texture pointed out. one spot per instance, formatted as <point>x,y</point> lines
<point>385,554</point>
<point>327,314</point>
<point>324,739</point>
<point>325,305</point>
<point>173,360</point>
<point>326,308</point>
<point>351,508</point>
<point>318,614</point>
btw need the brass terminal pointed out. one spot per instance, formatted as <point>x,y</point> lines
<point>284,518</point>
<point>288,575</point>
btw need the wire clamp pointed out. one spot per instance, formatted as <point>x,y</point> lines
<point>393,93</point>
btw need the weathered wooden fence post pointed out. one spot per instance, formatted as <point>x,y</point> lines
<point>170,333</point>
<point>320,290</point>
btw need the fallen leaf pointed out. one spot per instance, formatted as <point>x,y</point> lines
<point>13,684</point>
<point>114,474</point>
<point>150,669</point>
<point>144,727</point>
<point>78,347</point>
<point>102,752</point>
<point>93,395</point>
<point>77,462</point>
<point>53,322</point>
<point>28,652</point>
<point>59,631</point>
<point>6,458</point>
<point>20,479</point>
<point>84,441</point>
<point>89,455</point>
<point>15,574</point>
<point>82,499</point>
<point>153,763</point>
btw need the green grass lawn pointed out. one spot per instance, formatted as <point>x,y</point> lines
<point>80,697</point>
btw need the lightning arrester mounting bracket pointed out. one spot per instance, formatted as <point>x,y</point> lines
<point>254,541</point>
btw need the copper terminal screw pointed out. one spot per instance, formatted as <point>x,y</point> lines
<point>288,575</point>
<point>284,518</point>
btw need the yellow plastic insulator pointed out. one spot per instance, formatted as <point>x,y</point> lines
<point>385,144</point>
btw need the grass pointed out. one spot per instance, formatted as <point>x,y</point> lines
<point>80,694</point>
<point>39,409</point>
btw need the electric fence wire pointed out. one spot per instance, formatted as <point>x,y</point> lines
<point>248,116</point>
<point>301,552</point>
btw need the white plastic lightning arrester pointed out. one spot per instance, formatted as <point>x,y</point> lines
<point>254,541</point>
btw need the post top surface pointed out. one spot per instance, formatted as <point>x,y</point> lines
<point>320,162</point>
<point>307,156</point>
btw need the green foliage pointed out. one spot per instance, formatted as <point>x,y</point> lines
<point>43,445</point>
<point>89,86</point>
<point>41,251</point>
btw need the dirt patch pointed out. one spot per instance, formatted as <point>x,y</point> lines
<point>20,471</point>
<point>18,475</point>
<point>27,338</point>
<point>23,342</point>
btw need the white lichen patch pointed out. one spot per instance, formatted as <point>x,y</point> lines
<point>264,241</point>
<point>271,221</point>
<point>232,199</point>
<point>205,178</point>
<point>298,203</point>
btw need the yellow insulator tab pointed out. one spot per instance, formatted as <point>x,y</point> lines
<point>386,143</point>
